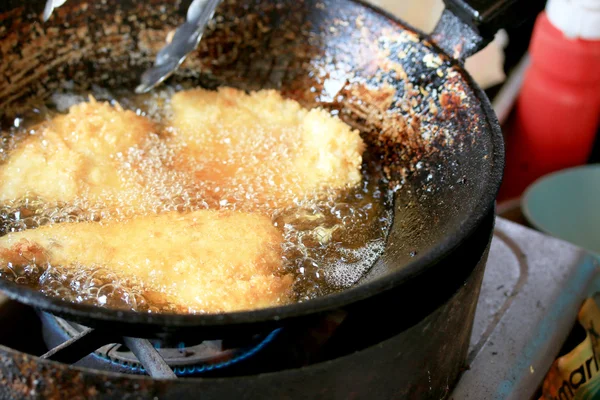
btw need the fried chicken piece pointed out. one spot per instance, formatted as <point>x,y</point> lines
<point>205,261</point>
<point>261,148</point>
<point>73,155</point>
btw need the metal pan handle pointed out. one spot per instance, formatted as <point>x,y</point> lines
<point>467,26</point>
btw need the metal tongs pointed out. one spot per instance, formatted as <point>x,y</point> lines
<point>184,41</point>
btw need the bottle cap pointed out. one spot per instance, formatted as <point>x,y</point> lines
<point>577,19</point>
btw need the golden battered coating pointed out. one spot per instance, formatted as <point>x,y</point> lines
<point>205,261</point>
<point>226,150</point>
<point>73,155</point>
<point>262,148</point>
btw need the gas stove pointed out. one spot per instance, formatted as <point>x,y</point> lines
<point>532,289</point>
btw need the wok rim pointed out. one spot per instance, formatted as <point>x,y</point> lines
<point>346,297</point>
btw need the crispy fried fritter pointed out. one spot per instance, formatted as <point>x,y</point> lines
<point>254,150</point>
<point>226,149</point>
<point>73,155</point>
<point>205,261</point>
<point>263,148</point>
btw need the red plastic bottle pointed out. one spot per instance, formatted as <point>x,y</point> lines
<point>557,113</point>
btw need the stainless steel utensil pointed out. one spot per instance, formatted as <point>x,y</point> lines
<point>184,41</point>
<point>50,6</point>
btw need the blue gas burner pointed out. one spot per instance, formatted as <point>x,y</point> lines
<point>185,359</point>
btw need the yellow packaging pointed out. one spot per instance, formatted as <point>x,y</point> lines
<point>575,375</point>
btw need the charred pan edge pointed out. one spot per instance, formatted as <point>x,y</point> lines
<point>394,91</point>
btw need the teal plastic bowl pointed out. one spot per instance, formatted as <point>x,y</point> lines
<point>566,205</point>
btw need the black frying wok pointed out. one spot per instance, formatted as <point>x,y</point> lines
<point>416,107</point>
